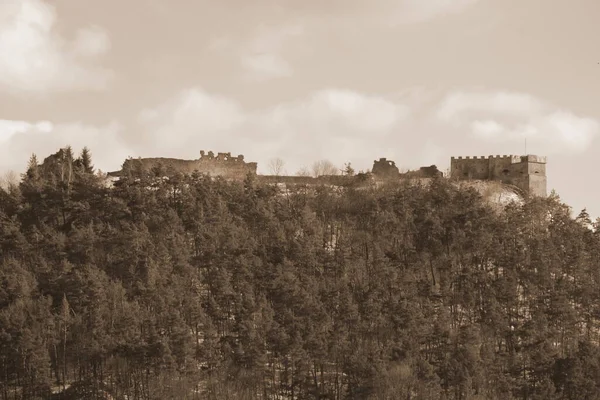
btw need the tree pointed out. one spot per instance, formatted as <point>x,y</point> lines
<point>33,172</point>
<point>86,161</point>
<point>9,180</point>
<point>276,166</point>
<point>228,290</point>
<point>324,167</point>
<point>348,170</point>
<point>303,172</point>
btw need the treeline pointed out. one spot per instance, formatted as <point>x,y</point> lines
<point>198,288</point>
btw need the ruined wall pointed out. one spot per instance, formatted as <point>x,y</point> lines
<point>423,172</point>
<point>223,164</point>
<point>332,180</point>
<point>469,168</point>
<point>385,168</point>
<point>148,164</point>
<point>528,173</point>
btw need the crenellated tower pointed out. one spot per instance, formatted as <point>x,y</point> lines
<point>528,172</point>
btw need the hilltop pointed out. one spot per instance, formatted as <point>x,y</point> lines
<point>198,287</point>
<point>469,172</point>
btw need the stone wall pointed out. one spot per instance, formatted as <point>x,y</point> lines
<point>528,173</point>
<point>423,172</point>
<point>384,168</point>
<point>387,169</point>
<point>332,180</point>
<point>223,164</point>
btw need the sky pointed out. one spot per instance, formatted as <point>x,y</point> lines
<point>351,81</point>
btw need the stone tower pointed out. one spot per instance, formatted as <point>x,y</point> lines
<point>528,172</point>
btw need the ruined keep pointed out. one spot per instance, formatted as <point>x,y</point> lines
<point>527,173</point>
<point>223,164</point>
<point>385,168</point>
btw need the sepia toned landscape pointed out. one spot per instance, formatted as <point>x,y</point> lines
<point>298,200</point>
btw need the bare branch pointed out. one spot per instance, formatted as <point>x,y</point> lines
<point>324,167</point>
<point>276,166</point>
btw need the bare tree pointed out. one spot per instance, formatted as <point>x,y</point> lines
<point>276,166</point>
<point>324,167</point>
<point>303,172</point>
<point>9,179</point>
<point>348,170</point>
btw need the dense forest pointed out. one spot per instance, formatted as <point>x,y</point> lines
<point>199,288</point>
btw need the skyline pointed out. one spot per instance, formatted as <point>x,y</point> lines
<point>415,82</point>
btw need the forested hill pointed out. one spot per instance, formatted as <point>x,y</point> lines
<point>192,288</point>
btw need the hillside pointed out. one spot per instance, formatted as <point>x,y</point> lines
<point>191,287</point>
<point>495,193</point>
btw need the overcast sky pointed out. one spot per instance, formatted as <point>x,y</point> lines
<point>417,81</point>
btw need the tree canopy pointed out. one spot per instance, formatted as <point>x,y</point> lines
<point>199,288</point>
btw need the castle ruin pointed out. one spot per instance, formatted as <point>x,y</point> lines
<point>527,173</point>
<point>223,164</point>
<point>387,169</point>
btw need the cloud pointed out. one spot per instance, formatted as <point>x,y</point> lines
<point>20,139</point>
<point>264,52</point>
<point>335,124</point>
<point>8,128</point>
<point>416,11</point>
<point>414,128</point>
<point>219,43</point>
<point>272,38</point>
<point>456,104</point>
<point>260,55</point>
<point>507,117</point>
<point>352,112</point>
<point>187,119</point>
<point>387,12</point>
<point>487,128</point>
<point>92,41</point>
<point>266,66</point>
<point>36,59</point>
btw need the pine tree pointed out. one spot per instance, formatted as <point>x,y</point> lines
<point>86,161</point>
<point>33,171</point>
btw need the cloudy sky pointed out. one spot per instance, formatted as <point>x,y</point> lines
<point>417,81</point>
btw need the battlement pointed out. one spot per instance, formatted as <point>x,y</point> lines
<point>220,157</point>
<point>513,158</point>
<point>223,164</point>
<point>535,159</point>
<point>527,172</point>
<point>384,160</point>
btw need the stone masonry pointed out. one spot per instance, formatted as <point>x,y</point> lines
<point>528,172</point>
<point>223,164</point>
